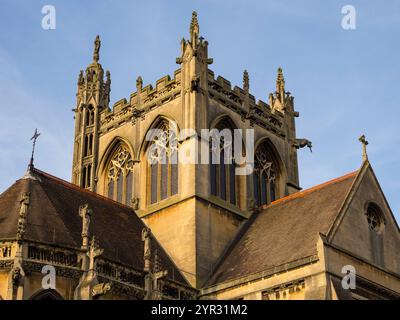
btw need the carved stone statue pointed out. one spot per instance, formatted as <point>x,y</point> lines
<point>24,205</point>
<point>85,213</point>
<point>96,51</point>
<point>146,232</point>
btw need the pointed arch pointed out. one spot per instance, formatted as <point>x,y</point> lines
<point>48,294</point>
<point>110,149</point>
<point>223,179</point>
<point>116,170</point>
<point>269,173</point>
<point>159,151</point>
<point>157,122</point>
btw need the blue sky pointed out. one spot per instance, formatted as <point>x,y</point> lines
<point>345,82</point>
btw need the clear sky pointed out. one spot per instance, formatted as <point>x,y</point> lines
<point>345,82</point>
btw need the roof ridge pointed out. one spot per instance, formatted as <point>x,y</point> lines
<point>77,188</point>
<point>310,190</point>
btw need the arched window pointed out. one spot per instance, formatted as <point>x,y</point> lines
<point>88,146</point>
<point>89,116</point>
<point>222,163</point>
<point>264,176</point>
<point>162,157</point>
<point>48,294</point>
<point>120,176</point>
<point>86,176</point>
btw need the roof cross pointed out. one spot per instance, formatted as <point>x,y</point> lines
<point>364,142</point>
<point>34,138</point>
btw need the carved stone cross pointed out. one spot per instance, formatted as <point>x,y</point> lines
<point>85,212</point>
<point>364,142</point>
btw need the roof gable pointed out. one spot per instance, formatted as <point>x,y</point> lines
<point>284,231</point>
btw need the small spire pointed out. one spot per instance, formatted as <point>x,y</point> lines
<point>246,81</point>
<point>364,143</point>
<point>280,81</point>
<point>96,52</point>
<point>194,28</point>
<point>34,138</point>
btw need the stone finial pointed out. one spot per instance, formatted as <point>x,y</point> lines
<point>364,143</point>
<point>96,52</point>
<point>194,28</point>
<point>85,213</point>
<point>147,248</point>
<point>280,82</point>
<point>246,81</point>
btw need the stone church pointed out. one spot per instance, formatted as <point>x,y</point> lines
<point>127,228</point>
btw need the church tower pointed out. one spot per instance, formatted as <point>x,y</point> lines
<point>194,207</point>
<point>93,96</point>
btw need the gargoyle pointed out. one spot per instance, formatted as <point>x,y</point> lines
<point>301,143</point>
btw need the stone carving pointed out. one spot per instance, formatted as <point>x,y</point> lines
<point>16,275</point>
<point>93,253</point>
<point>139,83</point>
<point>96,51</point>
<point>146,232</point>
<point>195,84</point>
<point>50,255</point>
<point>135,203</point>
<point>194,29</point>
<point>246,82</point>
<point>364,142</point>
<point>24,205</point>
<point>301,143</point>
<point>100,289</point>
<point>85,213</point>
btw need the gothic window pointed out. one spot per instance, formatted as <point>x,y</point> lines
<point>89,116</point>
<point>120,176</point>
<point>163,164</point>
<point>264,176</point>
<point>222,164</point>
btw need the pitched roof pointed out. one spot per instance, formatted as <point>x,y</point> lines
<point>284,231</point>
<point>53,218</point>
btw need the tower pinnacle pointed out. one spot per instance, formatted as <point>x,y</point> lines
<point>246,81</point>
<point>194,28</point>
<point>280,82</point>
<point>96,52</point>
